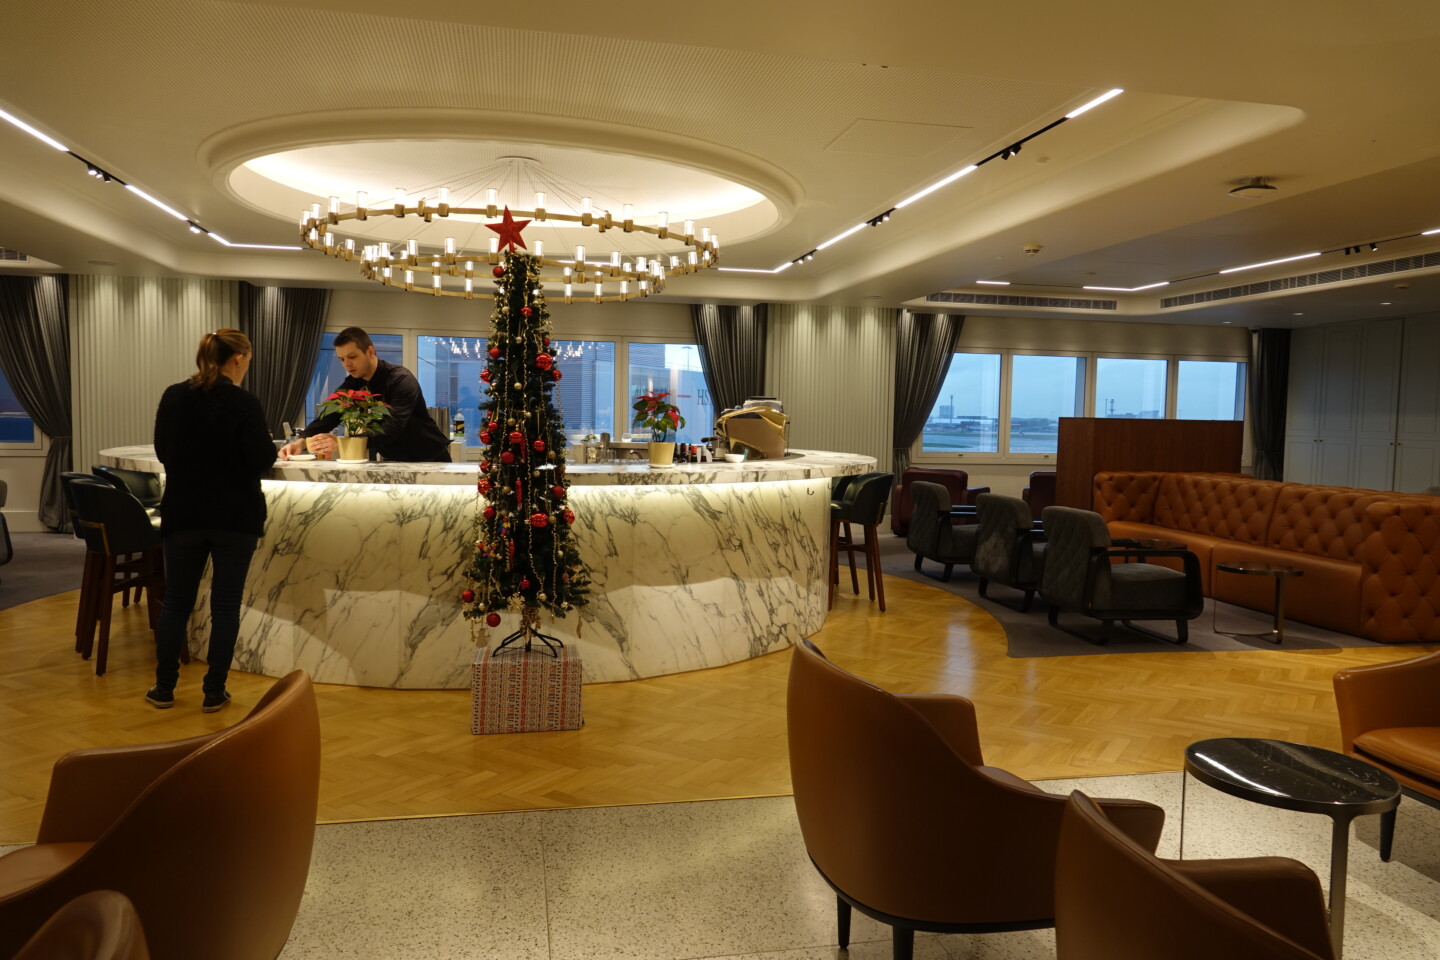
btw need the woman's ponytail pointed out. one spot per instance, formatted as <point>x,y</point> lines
<point>215,351</point>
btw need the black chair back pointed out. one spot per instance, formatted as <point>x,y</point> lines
<point>865,499</point>
<point>68,479</point>
<point>118,522</point>
<point>144,487</point>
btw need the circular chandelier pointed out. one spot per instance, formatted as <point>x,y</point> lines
<point>452,271</point>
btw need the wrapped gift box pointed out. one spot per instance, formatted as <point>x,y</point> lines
<point>524,691</point>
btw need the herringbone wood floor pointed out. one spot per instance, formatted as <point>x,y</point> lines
<point>704,735</point>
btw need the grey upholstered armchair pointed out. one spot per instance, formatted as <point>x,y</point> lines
<point>933,535</point>
<point>1008,549</point>
<point>1079,575</point>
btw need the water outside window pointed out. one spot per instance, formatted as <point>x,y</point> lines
<point>966,417</point>
<point>1130,388</point>
<point>1042,390</point>
<point>1210,390</point>
<point>672,367</point>
<point>15,424</point>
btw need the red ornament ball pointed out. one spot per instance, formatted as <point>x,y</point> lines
<point>489,513</point>
<point>555,374</point>
<point>467,596</point>
<point>491,425</point>
<point>493,620</point>
<point>569,516</point>
<point>498,271</point>
<point>538,446</point>
<point>507,457</point>
<point>558,490</point>
<point>544,361</point>
<point>484,466</point>
<point>525,311</point>
<point>494,353</point>
<point>483,485</point>
<point>517,437</point>
<point>485,375</point>
<point>545,340</point>
<point>485,437</point>
<point>539,520</point>
<point>524,583</point>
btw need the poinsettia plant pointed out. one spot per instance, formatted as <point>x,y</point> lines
<point>657,414</point>
<point>360,410</point>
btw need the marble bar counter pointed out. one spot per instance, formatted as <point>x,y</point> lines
<point>358,576</point>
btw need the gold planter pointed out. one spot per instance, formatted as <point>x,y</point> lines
<point>662,454</point>
<point>353,448</point>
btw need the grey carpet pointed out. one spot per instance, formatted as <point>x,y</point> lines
<point>44,564</point>
<point>1030,635</point>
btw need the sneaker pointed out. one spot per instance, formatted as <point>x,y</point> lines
<point>160,698</point>
<point>215,702</point>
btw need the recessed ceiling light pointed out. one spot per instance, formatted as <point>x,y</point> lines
<point>1253,189</point>
<point>102,263</point>
<point>1297,314</point>
<point>1384,303</point>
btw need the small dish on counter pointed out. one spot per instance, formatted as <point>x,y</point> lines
<point>302,456</point>
<point>734,457</point>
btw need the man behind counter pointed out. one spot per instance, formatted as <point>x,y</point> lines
<point>410,434</point>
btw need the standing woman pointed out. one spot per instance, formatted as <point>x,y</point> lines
<point>212,438</point>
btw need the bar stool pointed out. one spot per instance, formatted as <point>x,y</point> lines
<point>864,504</point>
<point>116,526</point>
<point>144,487</point>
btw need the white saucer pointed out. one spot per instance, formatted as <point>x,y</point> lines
<point>352,461</point>
<point>302,456</point>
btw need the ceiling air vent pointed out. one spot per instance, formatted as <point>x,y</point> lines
<point>1301,281</point>
<point>13,256</point>
<point>1007,300</point>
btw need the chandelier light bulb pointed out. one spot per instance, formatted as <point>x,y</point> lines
<point>450,245</point>
<point>689,228</point>
<point>490,197</point>
<point>580,255</point>
<point>585,205</point>
<point>494,246</point>
<point>445,196</point>
<point>540,249</point>
<point>664,220</point>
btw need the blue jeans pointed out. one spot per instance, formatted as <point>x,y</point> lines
<point>185,556</point>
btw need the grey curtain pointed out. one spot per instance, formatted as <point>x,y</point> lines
<point>35,355</point>
<point>285,325</point>
<point>1269,381</point>
<point>732,351</point>
<point>924,346</point>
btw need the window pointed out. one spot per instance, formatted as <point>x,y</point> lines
<point>1042,390</point>
<point>1007,404</point>
<point>328,373</point>
<point>1130,388</point>
<point>448,370</point>
<point>16,427</point>
<point>966,418</point>
<point>586,391</point>
<point>672,367</point>
<point>1210,390</point>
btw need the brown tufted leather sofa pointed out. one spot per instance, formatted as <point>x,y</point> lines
<point>1371,559</point>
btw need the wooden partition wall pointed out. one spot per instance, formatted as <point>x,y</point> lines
<point>1088,445</point>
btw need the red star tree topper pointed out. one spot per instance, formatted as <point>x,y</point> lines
<point>509,229</point>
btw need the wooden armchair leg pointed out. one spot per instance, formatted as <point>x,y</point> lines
<point>842,922</point>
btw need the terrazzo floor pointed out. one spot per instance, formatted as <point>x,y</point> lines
<point>730,879</point>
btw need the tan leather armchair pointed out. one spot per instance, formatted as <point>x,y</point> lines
<point>1390,717</point>
<point>1115,900</point>
<point>100,925</point>
<point>209,837</point>
<point>906,823</point>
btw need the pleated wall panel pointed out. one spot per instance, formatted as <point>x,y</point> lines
<point>131,337</point>
<point>834,369</point>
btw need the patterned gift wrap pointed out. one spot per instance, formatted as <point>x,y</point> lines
<point>524,691</point>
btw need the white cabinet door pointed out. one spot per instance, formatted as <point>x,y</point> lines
<point>1378,383</point>
<point>1302,402</point>
<point>1417,465</point>
<point>1335,465</point>
<point>1339,385</point>
<point>1300,456</point>
<point>1419,404</point>
<point>1374,464</point>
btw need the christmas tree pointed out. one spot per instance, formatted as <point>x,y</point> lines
<point>525,559</point>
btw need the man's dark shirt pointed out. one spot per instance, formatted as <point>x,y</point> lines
<point>410,434</point>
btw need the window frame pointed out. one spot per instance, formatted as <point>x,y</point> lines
<point>38,447</point>
<point>934,458</point>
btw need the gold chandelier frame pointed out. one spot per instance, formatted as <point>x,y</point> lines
<point>635,277</point>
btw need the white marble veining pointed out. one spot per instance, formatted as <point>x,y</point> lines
<point>798,465</point>
<point>359,582</point>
